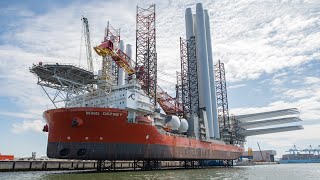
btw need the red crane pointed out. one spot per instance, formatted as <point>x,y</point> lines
<point>119,57</point>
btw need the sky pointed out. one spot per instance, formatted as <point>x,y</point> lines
<point>271,51</point>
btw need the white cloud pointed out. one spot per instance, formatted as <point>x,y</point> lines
<point>236,86</point>
<point>312,80</point>
<point>272,35</point>
<point>25,126</point>
<point>280,75</point>
<point>279,78</point>
<point>17,115</point>
<point>310,88</point>
<point>277,81</point>
<point>295,94</point>
<point>305,97</point>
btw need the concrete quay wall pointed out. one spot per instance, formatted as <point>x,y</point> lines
<point>34,165</point>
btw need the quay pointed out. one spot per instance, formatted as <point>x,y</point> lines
<point>53,165</point>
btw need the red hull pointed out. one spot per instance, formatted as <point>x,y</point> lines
<point>104,133</point>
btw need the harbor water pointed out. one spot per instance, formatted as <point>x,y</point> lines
<point>269,172</point>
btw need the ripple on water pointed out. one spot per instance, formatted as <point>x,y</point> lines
<point>261,172</point>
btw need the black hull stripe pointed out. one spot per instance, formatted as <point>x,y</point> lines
<point>106,151</point>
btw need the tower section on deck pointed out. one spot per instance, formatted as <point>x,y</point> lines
<point>205,101</point>
<point>211,76</point>
<point>129,54</point>
<point>120,71</point>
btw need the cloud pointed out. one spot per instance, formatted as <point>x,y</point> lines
<point>277,81</point>
<point>296,94</point>
<point>25,126</point>
<point>310,87</point>
<point>236,86</point>
<point>305,96</point>
<point>17,115</point>
<point>271,36</point>
<point>312,80</point>
<point>279,78</point>
<point>280,75</point>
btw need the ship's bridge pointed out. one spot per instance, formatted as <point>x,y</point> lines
<point>129,97</point>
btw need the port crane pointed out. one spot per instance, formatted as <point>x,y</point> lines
<point>308,150</point>
<point>294,150</point>
<point>86,32</point>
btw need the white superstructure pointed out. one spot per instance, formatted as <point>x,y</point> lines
<point>129,97</point>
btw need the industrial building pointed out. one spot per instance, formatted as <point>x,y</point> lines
<point>261,156</point>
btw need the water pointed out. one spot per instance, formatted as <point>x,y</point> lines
<point>263,172</point>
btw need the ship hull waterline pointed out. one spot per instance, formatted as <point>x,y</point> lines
<point>106,134</point>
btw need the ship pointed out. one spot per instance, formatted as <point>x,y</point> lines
<point>308,155</point>
<point>99,133</point>
<point>121,113</point>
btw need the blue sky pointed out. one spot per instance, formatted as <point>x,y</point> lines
<point>271,51</point>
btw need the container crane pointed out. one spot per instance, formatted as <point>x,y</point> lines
<point>86,33</point>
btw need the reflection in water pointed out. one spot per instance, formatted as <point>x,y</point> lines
<point>272,172</point>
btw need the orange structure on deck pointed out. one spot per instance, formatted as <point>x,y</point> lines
<point>6,157</point>
<point>119,57</point>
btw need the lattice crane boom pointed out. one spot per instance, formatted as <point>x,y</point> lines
<point>167,102</point>
<point>86,32</point>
